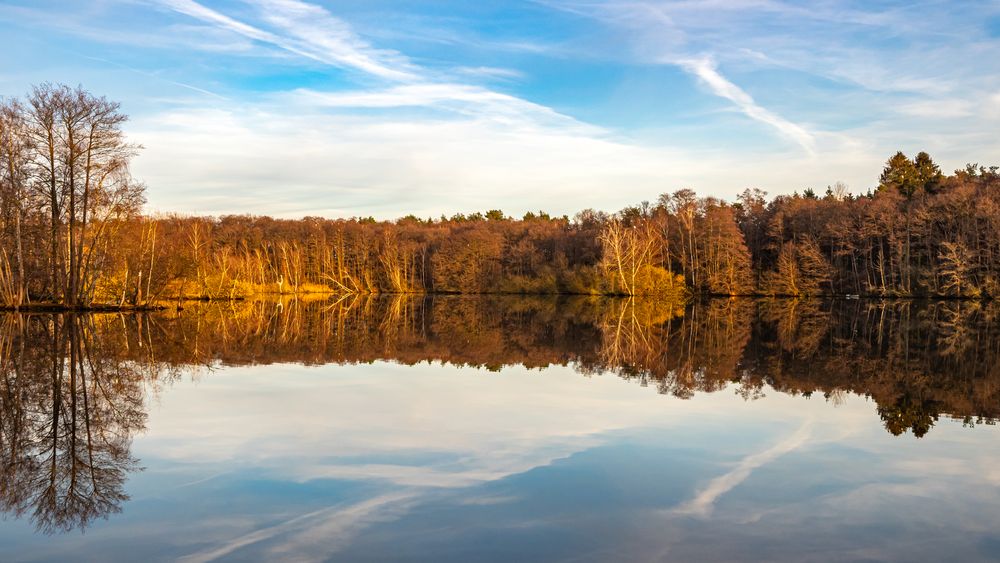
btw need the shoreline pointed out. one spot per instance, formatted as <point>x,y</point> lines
<point>177,304</point>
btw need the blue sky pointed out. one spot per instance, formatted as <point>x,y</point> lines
<point>344,108</point>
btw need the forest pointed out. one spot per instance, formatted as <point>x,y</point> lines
<point>73,235</point>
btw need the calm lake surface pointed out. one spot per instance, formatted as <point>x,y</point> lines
<point>503,429</point>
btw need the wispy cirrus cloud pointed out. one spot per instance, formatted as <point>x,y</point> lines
<point>707,71</point>
<point>312,536</point>
<point>330,38</point>
<point>490,72</point>
<point>703,502</point>
<point>310,31</point>
<point>152,75</point>
<point>666,36</point>
<point>854,69</point>
<point>457,98</point>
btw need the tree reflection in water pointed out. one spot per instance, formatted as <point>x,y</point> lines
<point>70,406</point>
<point>73,387</point>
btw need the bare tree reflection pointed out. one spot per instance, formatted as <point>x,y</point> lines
<point>68,412</point>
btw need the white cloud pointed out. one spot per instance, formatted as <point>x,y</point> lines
<point>938,109</point>
<point>312,32</point>
<point>196,10</point>
<point>869,72</point>
<point>993,106</point>
<point>328,529</point>
<point>705,69</point>
<point>459,98</point>
<point>490,72</point>
<point>465,149</point>
<point>704,501</point>
<point>332,39</point>
<point>302,162</point>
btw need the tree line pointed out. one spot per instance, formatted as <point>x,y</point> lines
<point>72,234</point>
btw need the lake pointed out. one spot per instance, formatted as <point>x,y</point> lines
<point>464,428</point>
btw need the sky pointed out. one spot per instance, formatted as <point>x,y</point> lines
<point>376,108</point>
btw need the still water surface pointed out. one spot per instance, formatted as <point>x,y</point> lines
<point>503,429</point>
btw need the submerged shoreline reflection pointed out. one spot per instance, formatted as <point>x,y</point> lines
<point>74,387</point>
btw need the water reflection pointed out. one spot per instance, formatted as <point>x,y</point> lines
<point>918,360</point>
<point>74,388</point>
<point>69,408</point>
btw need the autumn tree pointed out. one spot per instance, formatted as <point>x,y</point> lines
<point>15,201</point>
<point>80,157</point>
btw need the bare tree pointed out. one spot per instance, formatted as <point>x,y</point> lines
<point>15,155</point>
<point>81,162</point>
<point>954,268</point>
